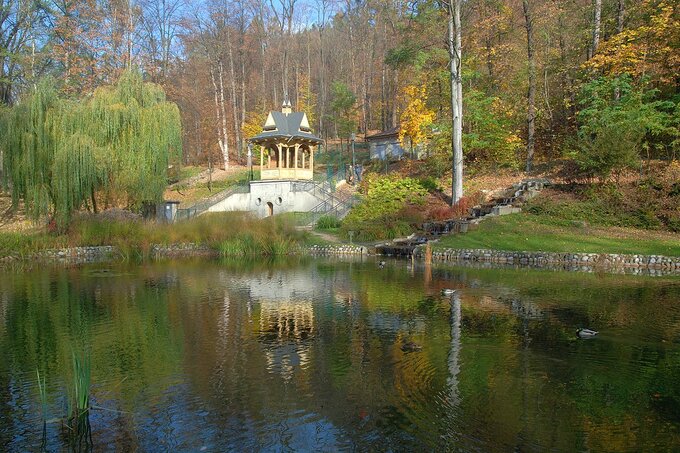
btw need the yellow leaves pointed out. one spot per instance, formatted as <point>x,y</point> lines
<point>416,117</point>
<point>648,49</point>
<point>253,124</point>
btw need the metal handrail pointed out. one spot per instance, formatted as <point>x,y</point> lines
<point>324,191</point>
<point>202,206</point>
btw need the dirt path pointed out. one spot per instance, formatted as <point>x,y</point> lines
<point>320,234</point>
<point>10,220</point>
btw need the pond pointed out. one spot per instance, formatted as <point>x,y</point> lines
<point>330,355</point>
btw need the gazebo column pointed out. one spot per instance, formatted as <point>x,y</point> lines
<point>297,148</point>
<point>303,159</point>
<point>261,161</point>
<point>287,157</point>
<point>269,158</point>
<point>311,158</point>
<point>279,147</point>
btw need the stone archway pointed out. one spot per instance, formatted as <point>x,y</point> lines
<point>270,209</point>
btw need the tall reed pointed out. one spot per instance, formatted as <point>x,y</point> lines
<point>42,391</point>
<point>80,390</point>
<point>78,423</point>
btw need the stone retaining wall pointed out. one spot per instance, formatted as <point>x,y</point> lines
<point>603,260</point>
<point>181,250</point>
<point>570,261</point>
<point>344,249</point>
<point>84,255</point>
<point>77,255</point>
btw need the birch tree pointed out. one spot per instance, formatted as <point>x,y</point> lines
<point>452,8</point>
<point>597,19</point>
<point>213,35</point>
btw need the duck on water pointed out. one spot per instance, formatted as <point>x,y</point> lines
<point>586,333</point>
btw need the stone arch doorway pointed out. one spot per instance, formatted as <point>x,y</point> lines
<point>270,209</point>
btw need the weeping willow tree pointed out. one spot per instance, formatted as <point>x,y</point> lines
<point>3,133</point>
<point>63,155</point>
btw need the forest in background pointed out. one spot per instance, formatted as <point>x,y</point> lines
<point>572,77</point>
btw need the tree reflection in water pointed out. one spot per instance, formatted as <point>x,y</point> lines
<point>253,356</point>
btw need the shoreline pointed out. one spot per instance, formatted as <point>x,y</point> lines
<point>584,262</point>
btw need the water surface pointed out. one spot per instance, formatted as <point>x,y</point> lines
<point>219,356</point>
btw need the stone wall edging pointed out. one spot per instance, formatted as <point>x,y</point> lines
<point>340,249</point>
<point>95,254</point>
<point>606,260</point>
<point>83,255</point>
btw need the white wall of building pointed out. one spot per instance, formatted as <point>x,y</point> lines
<point>264,193</point>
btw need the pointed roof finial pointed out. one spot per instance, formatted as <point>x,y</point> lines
<point>287,107</point>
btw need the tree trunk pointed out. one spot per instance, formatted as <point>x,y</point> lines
<point>94,201</point>
<point>234,97</point>
<point>531,96</point>
<point>297,86</point>
<point>223,109</point>
<point>596,26</point>
<point>454,47</point>
<point>5,86</point>
<point>243,97</point>
<point>567,84</point>
<point>383,101</point>
<point>220,115</point>
<point>264,76</point>
<point>322,84</point>
<point>620,15</point>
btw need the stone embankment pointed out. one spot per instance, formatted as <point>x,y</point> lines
<point>655,264</point>
<point>182,250</point>
<point>77,255</point>
<point>319,250</point>
<point>590,260</point>
<point>85,255</point>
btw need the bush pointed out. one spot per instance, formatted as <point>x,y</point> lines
<point>430,184</point>
<point>328,222</point>
<point>618,121</point>
<point>386,211</point>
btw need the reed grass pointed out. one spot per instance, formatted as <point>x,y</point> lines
<point>328,222</point>
<point>78,426</point>
<point>229,233</point>
<point>79,401</point>
<point>42,392</point>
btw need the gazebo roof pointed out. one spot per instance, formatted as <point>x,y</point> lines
<point>291,127</point>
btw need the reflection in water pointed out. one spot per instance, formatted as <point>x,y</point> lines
<point>308,356</point>
<point>454,354</point>
<point>286,328</point>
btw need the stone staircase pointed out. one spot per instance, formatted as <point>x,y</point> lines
<point>510,201</point>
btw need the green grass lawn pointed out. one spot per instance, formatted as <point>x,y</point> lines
<point>526,232</point>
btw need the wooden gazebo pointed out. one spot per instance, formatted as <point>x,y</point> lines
<point>288,146</point>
